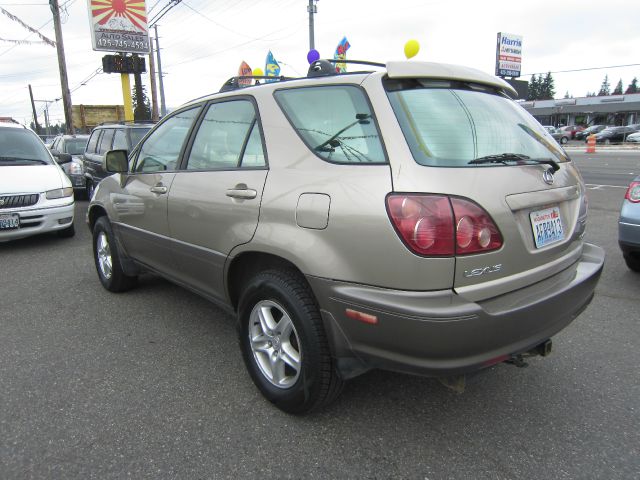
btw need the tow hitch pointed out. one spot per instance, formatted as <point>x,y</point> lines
<point>542,350</point>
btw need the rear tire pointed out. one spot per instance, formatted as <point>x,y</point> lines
<point>564,140</point>
<point>107,258</point>
<point>632,262</point>
<point>284,345</point>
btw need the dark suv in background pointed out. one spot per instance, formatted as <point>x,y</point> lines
<point>114,136</point>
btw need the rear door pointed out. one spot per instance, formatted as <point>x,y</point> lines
<point>214,200</point>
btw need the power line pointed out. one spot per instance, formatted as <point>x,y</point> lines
<point>581,69</point>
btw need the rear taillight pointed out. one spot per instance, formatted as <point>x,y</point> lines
<point>436,225</point>
<point>475,230</point>
<point>633,192</point>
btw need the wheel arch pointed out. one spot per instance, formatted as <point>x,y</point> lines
<point>248,264</point>
<point>95,212</point>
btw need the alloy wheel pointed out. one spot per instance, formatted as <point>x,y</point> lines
<point>275,344</point>
<point>103,252</point>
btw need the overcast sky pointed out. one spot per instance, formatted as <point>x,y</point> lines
<point>204,41</point>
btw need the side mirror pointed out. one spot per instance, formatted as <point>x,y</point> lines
<point>115,161</point>
<point>61,158</point>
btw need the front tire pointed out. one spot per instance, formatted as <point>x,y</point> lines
<point>107,258</point>
<point>564,140</point>
<point>284,345</point>
<point>632,262</point>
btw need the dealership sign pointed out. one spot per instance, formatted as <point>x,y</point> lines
<point>119,26</point>
<point>508,55</point>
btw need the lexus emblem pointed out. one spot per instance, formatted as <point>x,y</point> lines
<point>547,176</point>
<point>1,202</point>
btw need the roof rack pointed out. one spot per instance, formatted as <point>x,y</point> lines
<point>125,122</point>
<point>234,83</point>
<point>316,69</point>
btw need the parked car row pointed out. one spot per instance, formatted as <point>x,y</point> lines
<point>604,134</point>
<point>86,152</point>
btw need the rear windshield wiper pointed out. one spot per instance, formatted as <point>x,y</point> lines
<point>514,157</point>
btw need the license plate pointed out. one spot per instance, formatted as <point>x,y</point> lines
<point>9,221</point>
<point>547,226</point>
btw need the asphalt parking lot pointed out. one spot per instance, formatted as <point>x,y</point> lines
<point>151,384</point>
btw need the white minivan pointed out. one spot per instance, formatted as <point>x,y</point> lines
<point>35,194</point>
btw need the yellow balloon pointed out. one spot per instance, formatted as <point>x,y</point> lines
<point>258,72</point>
<point>411,48</point>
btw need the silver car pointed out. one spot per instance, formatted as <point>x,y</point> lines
<point>411,218</point>
<point>629,226</point>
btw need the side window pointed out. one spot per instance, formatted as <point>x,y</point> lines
<point>161,150</point>
<point>105,141</point>
<point>223,140</point>
<point>334,121</point>
<point>253,153</point>
<point>120,140</point>
<point>93,141</point>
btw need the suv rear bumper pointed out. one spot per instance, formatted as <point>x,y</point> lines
<point>440,333</point>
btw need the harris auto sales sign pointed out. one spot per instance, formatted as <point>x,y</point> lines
<point>119,25</point>
<point>508,55</point>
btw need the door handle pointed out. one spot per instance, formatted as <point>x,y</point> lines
<point>243,193</point>
<point>159,189</point>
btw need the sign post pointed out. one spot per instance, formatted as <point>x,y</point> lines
<point>119,26</point>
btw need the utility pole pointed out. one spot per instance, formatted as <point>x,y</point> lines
<point>163,107</point>
<point>311,8</point>
<point>62,65</point>
<point>33,107</point>
<point>154,91</point>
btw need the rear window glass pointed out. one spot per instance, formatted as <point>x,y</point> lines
<point>75,146</point>
<point>335,122</point>
<point>451,124</point>
<point>136,135</point>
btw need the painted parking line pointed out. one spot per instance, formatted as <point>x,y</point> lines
<point>592,186</point>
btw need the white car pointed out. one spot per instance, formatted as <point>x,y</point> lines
<point>36,195</point>
<point>634,138</point>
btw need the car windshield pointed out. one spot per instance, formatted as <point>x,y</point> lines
<point>452,123</point>
<point>20,146</point>
<point>75,146</point>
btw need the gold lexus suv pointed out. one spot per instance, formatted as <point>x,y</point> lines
<point>411,217</point>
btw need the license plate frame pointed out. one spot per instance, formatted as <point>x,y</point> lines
<point>546,226</point>
<point>9,221</point>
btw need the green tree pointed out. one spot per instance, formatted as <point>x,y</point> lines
<point>633,86</point>
<point>618,89</point>
<point>142,106</point>
<point>547,87</point>
<point>532,92</point>
<point>605,88</point>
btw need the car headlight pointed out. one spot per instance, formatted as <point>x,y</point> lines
<point>75,168</point>
<point>59,193</point>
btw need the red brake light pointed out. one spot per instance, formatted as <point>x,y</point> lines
<point>436,225</point>
<point>423,222</point>
<point>633,192</point>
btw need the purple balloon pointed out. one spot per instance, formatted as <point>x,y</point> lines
<point>312,56</point>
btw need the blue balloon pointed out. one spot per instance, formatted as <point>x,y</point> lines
<point>312,56</point>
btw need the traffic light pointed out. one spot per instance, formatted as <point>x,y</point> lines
<point>120,64</point>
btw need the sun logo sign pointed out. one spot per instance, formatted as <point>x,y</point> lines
<point>119,25</point>
<point>132,10</point>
